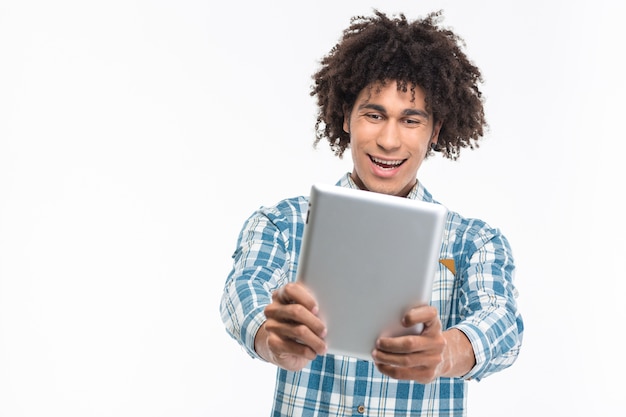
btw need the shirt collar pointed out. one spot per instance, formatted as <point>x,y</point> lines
<point>418,192</point>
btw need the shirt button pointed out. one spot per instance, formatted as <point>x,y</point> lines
<point>360,409</point>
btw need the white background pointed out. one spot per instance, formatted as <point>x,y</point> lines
<point>136,137</point>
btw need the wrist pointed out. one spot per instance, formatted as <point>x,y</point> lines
<point>260,343</point>
<point>458,354</point>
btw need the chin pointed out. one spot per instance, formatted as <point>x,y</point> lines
<point>384,189</point>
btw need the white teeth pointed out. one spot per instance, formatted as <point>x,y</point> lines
<point>384,162</point>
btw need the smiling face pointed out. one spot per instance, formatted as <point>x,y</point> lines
<point>390,135</point>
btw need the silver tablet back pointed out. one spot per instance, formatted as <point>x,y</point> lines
<point>368,257</point>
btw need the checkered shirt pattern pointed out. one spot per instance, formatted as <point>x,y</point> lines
<point>477,296</point>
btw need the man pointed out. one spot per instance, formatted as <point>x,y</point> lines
<point>393,92</point>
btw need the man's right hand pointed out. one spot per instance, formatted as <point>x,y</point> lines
<point>293,334</point>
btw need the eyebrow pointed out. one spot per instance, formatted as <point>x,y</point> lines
<point>405,112</point>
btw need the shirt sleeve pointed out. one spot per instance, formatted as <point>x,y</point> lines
<point>259,266</point>
<point>487,302</point>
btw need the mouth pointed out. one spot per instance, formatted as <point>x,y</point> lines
<point>387,164</point>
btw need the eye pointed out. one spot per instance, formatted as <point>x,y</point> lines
<point>374,116</point>
<point>415,122</point>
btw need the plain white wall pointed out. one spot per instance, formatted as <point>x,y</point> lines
<point>136,137</point>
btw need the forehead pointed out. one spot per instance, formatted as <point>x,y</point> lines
<point>381,90</point>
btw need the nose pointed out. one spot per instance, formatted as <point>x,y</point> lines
<point>389,136</point>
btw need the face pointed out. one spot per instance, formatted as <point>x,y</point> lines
<point>390,135</point>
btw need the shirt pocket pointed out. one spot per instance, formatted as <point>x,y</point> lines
<point>443,288</point>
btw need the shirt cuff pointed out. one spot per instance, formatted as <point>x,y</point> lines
<point>251,326</point>
<point>480,345</point>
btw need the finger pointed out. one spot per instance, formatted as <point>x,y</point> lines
<point>402,344</point>
<point>423,314</point>
<point>423,375</point>
<point>282,346</point>
<point>293,315</point>
<point>430,356</point>
<point>297,333</point>
<point>296,293</point>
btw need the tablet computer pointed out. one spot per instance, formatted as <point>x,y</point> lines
<point>368,258</point>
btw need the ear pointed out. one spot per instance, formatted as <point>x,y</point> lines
<point>434,138</point>
<point>346,119</point>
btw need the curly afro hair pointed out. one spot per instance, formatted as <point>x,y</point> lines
<point>381,49</point>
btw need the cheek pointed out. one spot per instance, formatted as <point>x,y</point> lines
<point>422,146</point>
<point>354,153</point>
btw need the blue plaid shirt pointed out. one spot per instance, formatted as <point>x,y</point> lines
<point>473,292</point>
